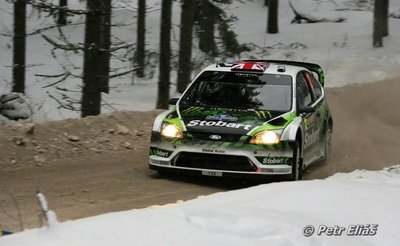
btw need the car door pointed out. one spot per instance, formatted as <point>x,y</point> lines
<point>320,106</point>
<point>305,96</point>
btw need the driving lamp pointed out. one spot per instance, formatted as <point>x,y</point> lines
<point>266,137</point>
<point>171,131</point>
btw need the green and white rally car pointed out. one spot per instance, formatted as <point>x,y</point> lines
<point>251,118</point>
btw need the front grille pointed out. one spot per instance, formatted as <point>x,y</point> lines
<point>224,137</point>
<point>214,162</point>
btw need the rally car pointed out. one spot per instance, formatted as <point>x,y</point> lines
<point>250,118</point>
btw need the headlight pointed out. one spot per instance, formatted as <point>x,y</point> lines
<point>266,137</point>
<point>171,131</point>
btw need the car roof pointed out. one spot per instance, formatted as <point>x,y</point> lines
<point>268,67</point>
<point>273,68</point>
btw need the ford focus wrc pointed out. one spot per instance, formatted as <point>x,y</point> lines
<point>251,118</point>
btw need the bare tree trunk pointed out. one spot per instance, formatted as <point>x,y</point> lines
<point>165,55</point>
<point>19,48</point>
<point>105,43</point>
<point>91,91</point>
<point>272,16</point>
<point>385,18</point>
<point>378,24</point>
<point>62,13</point>
<point>185,45</point>
<point>140,44</point>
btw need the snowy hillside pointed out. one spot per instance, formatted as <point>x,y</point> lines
<point>343,49</point>
<point>362,202</point>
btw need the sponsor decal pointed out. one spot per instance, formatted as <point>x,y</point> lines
<point>311,137</point>
<point>263,114</point>
<point>210,150</point>
<point>218,124</point>
<point>247,75</point>
<point>308,122</point>
<point>160,152</point>
<point>233,109</point>
<point>222,117</point>
<point>271,161</point>
<point>268,160</point>
<point>215,137</point>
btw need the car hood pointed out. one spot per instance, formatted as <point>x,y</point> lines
<point>224,121</point>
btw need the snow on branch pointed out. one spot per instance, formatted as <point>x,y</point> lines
<point>308,18</point>
<point>395,14</point>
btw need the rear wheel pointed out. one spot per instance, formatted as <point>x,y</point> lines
<point>297,165</point>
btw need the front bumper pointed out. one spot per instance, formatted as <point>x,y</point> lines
<point>221,174</point>
<point>211,159</point>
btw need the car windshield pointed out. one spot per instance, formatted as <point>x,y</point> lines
<point>238,90</point>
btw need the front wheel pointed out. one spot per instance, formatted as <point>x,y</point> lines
<point>297,165</point>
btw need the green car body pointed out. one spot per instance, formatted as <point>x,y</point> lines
<point>251,119</point>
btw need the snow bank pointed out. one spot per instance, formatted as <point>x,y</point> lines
<point>270,214</point>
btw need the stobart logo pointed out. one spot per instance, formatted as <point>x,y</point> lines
<point>221,117</point>
<point>218,124</point>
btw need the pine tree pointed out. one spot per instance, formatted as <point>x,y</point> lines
<point>105,43</point>
<point>272,16</point>
<point>206,16</point>
<point>185,44</point>
<point>140,42</point>
<point>91,91</point>
<point>210,14</point>
<point>385,18</point>
<point>165,55</point>
<point>19,48</point>
<point>378,24</point>
<point>62,13</point>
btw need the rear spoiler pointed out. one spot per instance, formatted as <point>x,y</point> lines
<point>310,66</point>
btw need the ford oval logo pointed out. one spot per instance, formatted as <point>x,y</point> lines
<point>215,137</point>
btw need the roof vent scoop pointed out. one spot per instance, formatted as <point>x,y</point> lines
<point>281,69</point>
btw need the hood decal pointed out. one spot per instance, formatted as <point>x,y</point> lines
<point>218,124</point>
<point>223,117</point>
<point>225,121</point>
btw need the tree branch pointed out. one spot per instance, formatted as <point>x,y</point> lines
<point>68,46</point>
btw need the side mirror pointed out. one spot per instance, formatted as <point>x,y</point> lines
<point>173,101</point>
<point>306,109</point>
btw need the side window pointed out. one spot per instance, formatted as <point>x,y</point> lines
<point>304,97</point>
<point>316,86</point>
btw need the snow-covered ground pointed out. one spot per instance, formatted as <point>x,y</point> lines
<point>270,214</point>
<point>343,49</point>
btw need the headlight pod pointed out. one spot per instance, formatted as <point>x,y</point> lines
<point>266,137</point>
<point>171,131</point>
